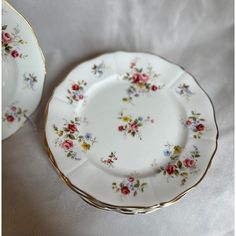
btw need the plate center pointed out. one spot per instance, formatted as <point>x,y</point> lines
<point>9,81</point>
<point>130,135</point>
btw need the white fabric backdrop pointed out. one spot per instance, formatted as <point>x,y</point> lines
<point>195,34</point>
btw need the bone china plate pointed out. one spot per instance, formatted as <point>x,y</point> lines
<point>23,70</point>
<point>130,132</point>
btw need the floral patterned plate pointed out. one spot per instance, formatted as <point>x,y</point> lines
<point>23,70</point>
<point>130,132</point>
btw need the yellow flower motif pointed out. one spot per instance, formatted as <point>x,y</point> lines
<point>85,146</point>
<point>126,119</point>
<point>59,133</point>
<point>177,150</point>
<point>140,85</point>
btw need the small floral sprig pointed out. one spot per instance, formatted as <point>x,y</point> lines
<point>76,92</point>
<point>30,80</point>
<point>131,126</point>
<point>141,81</point>
<point>176,167</point>
<point>109,161</point>
<point>128,186</point>
<point>184,91</point>
<point>12,42</point>
<point>98,69</point>
<point>196,124</point>
<point>13,114</point>
<point>69,138</point>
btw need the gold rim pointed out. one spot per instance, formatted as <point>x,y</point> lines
<point>129,210</point>
<point>43,59</point>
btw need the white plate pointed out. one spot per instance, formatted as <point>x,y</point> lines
<point>130,132</point>
<point>23,70</point>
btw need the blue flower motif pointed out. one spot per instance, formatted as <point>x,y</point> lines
<point>76,92</point>
<point>194,124</point>
<point>13,113</point>
<point>88,136</point>
<point>140,118</point>
<point>167,153</point>
<point>179,91</point>
<point>195,148</point>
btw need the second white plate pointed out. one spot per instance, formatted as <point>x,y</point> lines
<point>130,130</point>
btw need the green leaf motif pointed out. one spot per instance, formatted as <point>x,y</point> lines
<point>179,164</point>
<point>137,184</point>
<point>71,136</point>
<point>176,172</point>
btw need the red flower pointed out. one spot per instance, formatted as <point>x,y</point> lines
<point>125,190</point>
<point>75,87</point>
<point>137,78</point>
<point>6,37</point>
<point>140,78</point>
<point>200,127</point>
<point>120,128</point>
<point>188,122</point>
<point>109,161</point>
<point>72,128</point>
<point>10,118</point>
<point>188,162</point>
<point>67,144</point>
<point>131,179</point>
<point>170,169</point>
<point>14,54</point>
<point>154,88</point>
<point>81,96</point>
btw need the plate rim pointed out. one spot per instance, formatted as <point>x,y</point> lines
<point>128,210</point>
<point>29,26</point>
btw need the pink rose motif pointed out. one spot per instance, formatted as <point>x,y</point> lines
<point>188,163</point>
<point>15,54</point>
<point>67,144</point>
<point>131,179</point>
<point>170,169</point>
<point>140,78</point>
<point>13,108</point>
<point>144,78</point>
<point>6,38</point>
<point>125,190</point>
<point>133,126</point>
<point>188,122</point>
<point>72,128</point>
<point>200,127</point>
<point>132,65</point>
<point>81,97</point>
<point>10,118</point>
